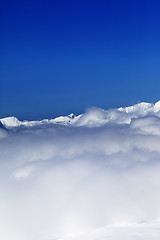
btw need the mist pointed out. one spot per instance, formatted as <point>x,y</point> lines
<point>70,179</point>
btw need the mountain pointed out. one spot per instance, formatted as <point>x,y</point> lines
<point>93,117</point>
<point>1,125</point>
<point>142,107</point>
<point>11,122</point>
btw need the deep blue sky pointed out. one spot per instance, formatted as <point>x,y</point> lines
<point>63,56</point>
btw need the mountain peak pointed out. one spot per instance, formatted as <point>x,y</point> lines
<point>93,117</point>
<point>10,122</point>
<point>157,106</point>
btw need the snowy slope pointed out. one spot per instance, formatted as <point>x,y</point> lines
<point>93,117</point>
<point>11,122</point>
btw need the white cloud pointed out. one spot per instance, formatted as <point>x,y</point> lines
<point>59,179</point>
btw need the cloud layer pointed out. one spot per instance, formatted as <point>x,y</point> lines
<point>60,177</point>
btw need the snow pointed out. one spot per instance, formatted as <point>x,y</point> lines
<point>140,108</point>
<point>93,117</point>
<point>156,106</point>
<point>10,122</point>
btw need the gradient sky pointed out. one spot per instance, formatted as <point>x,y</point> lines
<point>59,57</point>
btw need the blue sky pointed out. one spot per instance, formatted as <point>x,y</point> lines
<point>59,57</point>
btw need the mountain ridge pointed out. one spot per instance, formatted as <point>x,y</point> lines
<point>93,116</point>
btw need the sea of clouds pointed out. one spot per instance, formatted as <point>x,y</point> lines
<point>60,179</point>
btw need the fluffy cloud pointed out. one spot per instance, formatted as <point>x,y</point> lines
<point>58,179</point>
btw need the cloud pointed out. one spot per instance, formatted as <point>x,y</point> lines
<point>59,179</point>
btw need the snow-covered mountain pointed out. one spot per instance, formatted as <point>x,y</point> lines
<point>11,122</point>
<point>92,117</point>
